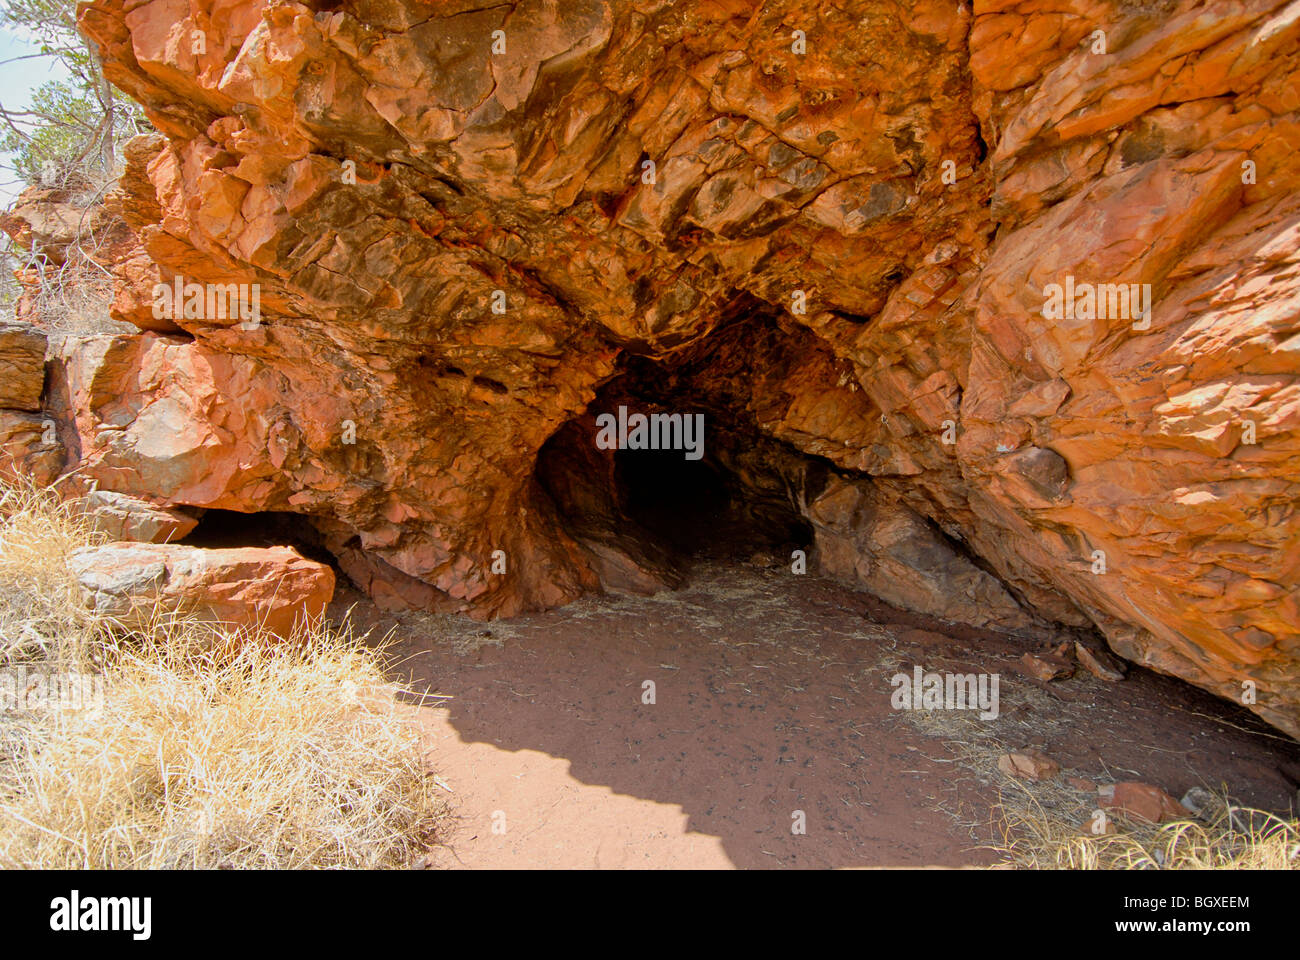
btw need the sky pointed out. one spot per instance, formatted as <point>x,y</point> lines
<point>18,78</point>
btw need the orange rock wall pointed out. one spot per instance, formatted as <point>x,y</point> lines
<point>905,186</point>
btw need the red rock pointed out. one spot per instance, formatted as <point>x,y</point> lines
<point>270,587</point>
<point>78,240</point>
<point>22,366</point>
<point>54,218</point>
<point>1046,666</point>
<point>129,519</point>
<point>1028,765</point>
<point>1099,663</point>
<point>1141,800</point>
<point>1096,474</point>
<point>885,547</point>
<point>29,446</point>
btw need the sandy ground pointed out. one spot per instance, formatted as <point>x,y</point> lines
<point>771,698</point>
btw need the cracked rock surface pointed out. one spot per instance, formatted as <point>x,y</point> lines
<point>886,209</point>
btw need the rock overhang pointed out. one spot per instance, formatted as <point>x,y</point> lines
<point>899,193</point>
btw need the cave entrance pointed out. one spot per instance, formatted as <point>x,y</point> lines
<point>658,511</point>
<point>230,528</point>
<point>684,503</point>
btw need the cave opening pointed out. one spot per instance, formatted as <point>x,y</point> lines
<point>649,505</point>
<point>680,501</point>
<point>231,528</point>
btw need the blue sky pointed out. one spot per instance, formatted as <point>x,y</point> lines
<point>18,78</point>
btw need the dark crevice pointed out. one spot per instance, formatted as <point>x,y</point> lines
<point>230,528</point>
<point>733,496</point>
<point>981,148</point>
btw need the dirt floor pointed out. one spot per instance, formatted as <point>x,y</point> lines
<point>772,696</point>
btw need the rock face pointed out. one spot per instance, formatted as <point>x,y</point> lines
<point>29,447</point>
<point>28,440</point>
<point>268,587</point>
<point>886,548</point>
<point>22,366</point>
<point>121,517</point>
<point>1030,268</point>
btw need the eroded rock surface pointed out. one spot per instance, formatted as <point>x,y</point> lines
<point>270,588</point>
<point>22,366</point>
<point>28,440</point>
<point>126,518</point>
<point>892,201</point>
<point>888,549</point>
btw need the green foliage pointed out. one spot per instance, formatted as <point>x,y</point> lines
<point>72,124</point>
<point>58,128</point>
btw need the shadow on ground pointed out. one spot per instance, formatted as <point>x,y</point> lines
<point>771,696</point>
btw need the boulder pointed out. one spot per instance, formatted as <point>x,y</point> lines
<point>29,447</point>
<point>1028,765</point>
<point>1141,800</point>
<point>268,587</point>
<point>1053,665</point>
<point>1099,663</point>
<point>130,519</point>
<point>878,544</point>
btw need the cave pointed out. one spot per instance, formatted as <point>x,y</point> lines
<point>759,491</point>
<point>838,254</point>
<point>681,502</point>
<point>736,495</point>
<point>219,529</point>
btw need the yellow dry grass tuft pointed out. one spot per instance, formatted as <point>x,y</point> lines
<point>40,616</point>
<point>1229,837</point>
<point>1046,825</point>
<point>245,752</point>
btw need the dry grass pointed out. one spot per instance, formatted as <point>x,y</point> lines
<point>1228,837</point>
<point>243,753</point>
<point>1047,824</point>
<point>40,616</point>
